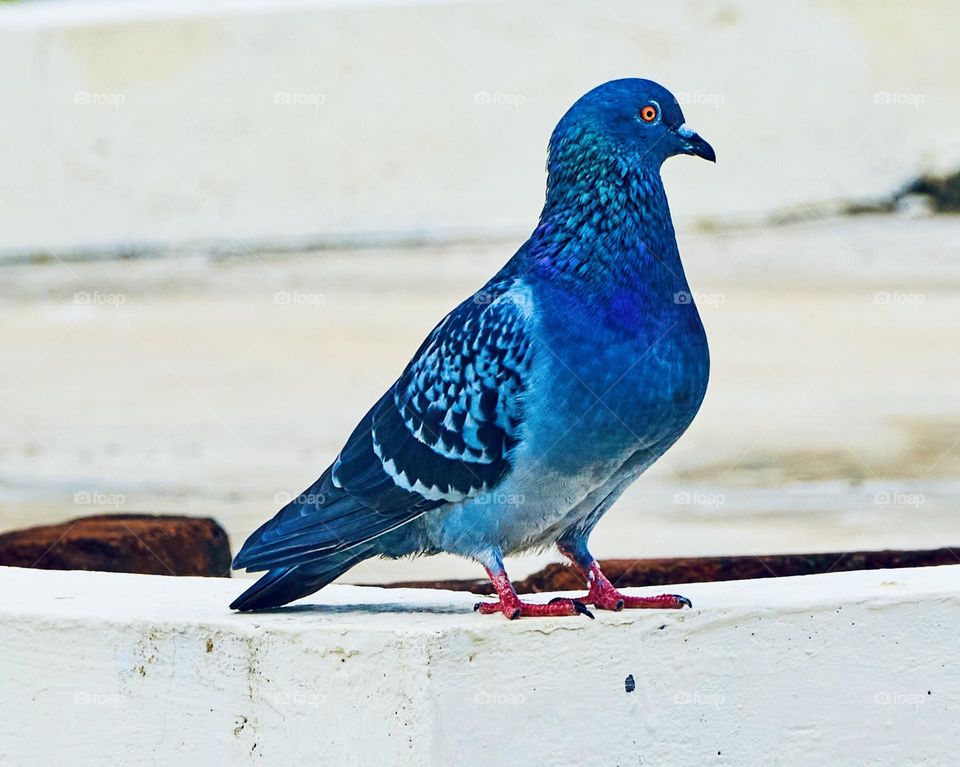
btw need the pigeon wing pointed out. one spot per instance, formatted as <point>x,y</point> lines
<point>442,433</point>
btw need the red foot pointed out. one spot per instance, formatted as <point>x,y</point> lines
<point>614,600</point>
<point>510,605</point>
<point>514,608</point>
<point>604,596</point>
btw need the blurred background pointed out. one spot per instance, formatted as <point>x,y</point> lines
<point>225,227</point>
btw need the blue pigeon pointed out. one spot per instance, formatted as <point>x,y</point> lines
<point>534,404</point>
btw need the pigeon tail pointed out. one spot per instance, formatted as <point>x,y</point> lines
<point>285,584</point>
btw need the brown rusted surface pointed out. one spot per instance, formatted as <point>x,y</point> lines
<point>122,543</point>
<point>661,572</point>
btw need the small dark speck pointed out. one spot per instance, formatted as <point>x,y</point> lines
<point>661,627</point>
<point>628,684</point>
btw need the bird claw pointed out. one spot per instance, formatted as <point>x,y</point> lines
<point>579,606</point>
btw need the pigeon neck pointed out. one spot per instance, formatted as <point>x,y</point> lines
<point>597,225</point>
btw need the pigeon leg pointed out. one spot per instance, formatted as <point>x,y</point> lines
<point>510,604</point>
<point>603,595</point>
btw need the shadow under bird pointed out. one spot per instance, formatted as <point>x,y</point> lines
<point>534,404</point>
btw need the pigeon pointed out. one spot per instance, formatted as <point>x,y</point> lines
<point>536,402</point>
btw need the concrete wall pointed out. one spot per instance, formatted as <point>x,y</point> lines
<point>844,669</point>
<point>161,123</point>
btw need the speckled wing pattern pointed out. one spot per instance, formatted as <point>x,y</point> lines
<point>442,433</point>
<point>455,413</point>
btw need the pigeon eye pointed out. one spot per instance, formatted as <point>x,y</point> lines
<point>648,113</point>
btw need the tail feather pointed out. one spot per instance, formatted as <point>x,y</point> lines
<point>285,584</point>
<point>323,520</point>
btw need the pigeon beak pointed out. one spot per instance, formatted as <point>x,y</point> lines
<point>691,143</point>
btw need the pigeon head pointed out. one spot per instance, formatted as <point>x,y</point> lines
<point>618,127</point>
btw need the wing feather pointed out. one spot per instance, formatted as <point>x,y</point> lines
<point>443,432</point>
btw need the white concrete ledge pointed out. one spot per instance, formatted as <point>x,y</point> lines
<point>851,668</point>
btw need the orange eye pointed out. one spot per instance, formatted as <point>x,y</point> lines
<point>648,113</point>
